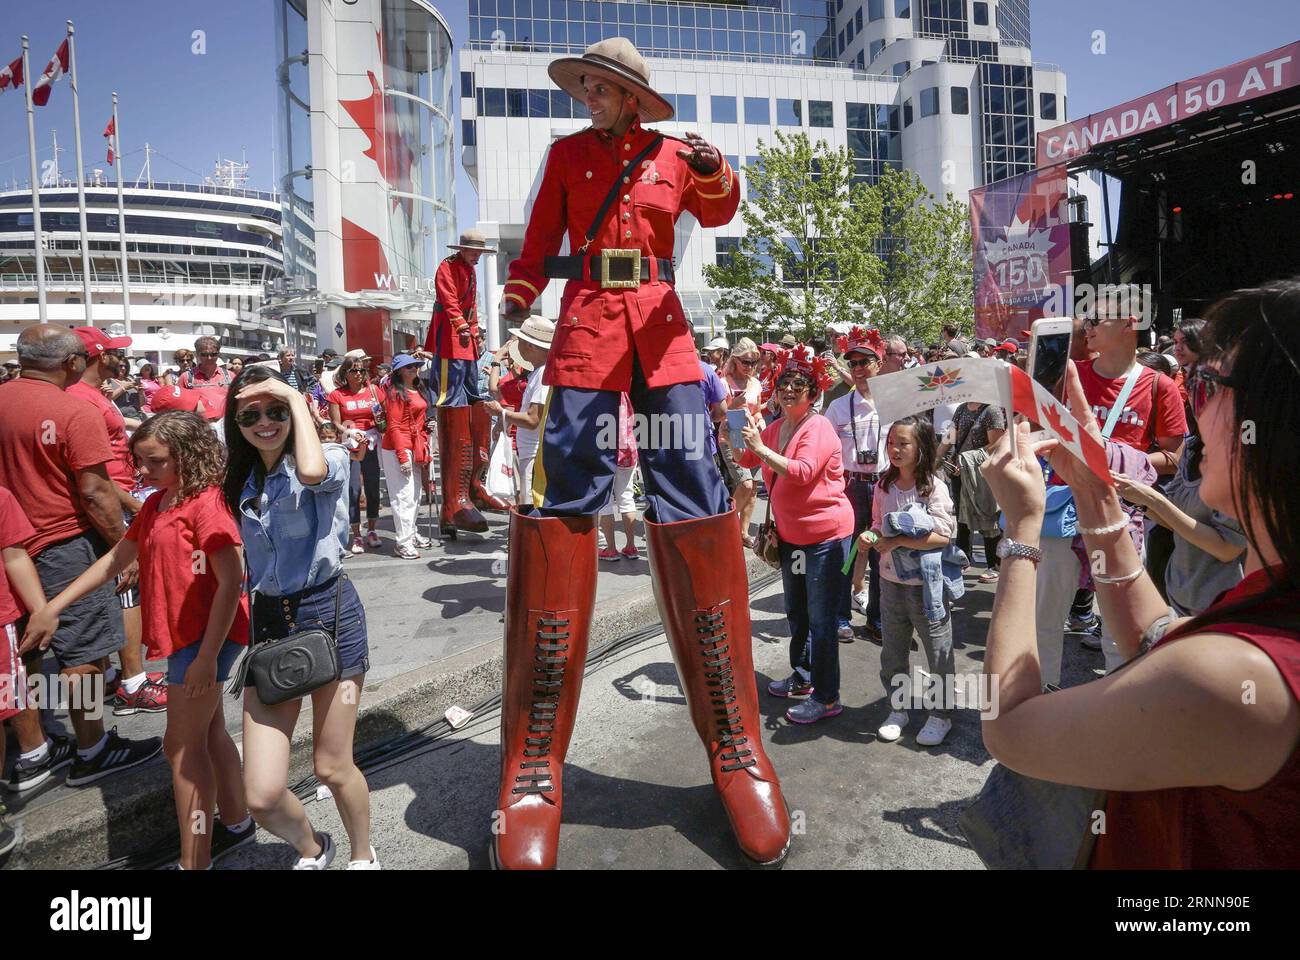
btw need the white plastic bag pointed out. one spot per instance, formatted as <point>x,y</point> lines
<point>501,473</point>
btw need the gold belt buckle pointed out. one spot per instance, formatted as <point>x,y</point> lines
<point>634,259</point>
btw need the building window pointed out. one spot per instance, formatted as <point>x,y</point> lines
<point>1047,106</point>
<point>1007,120</point>
<point>820,113</point>
<point>561,104</point>
<point>758,110</point>
<point>467,138</point>
<point>875,10</point>
<point>494,102</point>
<point>848,34</point>
<point>981,14</point>
<point>947,17</point>
<point>903,9</point>
<point>516,103</point>
<point>861,61</point>
<point>539,103</point>
<point>875,48</point>
<point>722,109</point>
<point>466,84</point>
<point>901,68</point>
<point>789,113</point>
<point>907,112</point>
<point>857,17</point>
<point>725,249</point>
<point>960,100</point>
<point>683,106</point>
<point>929,101</point>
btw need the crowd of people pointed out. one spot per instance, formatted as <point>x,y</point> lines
<point>136,503</point>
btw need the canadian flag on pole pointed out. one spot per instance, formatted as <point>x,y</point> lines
<point>54,70</point>
<point>12,75</point>
<point>110,131</point>
<point>1036,402</point>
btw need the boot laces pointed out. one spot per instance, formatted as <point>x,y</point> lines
<point>551,657</point>
<point>721,679</point>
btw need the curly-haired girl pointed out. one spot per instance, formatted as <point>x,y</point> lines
<point>187,544</point>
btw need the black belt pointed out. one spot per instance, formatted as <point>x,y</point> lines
<point>861,477</point>
<point>610,268</point>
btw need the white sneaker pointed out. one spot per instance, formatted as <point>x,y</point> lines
<point>932,734</point>
<point>371,864</point>
<point>892,728</point>
<point>860,602</point>
<point>321,862</point>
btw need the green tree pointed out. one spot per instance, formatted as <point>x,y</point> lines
<point>807,256</point>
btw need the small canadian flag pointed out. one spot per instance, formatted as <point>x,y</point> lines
<point>1036,402</point>
<point>54,70</point>
<point>12,75</point>
<point>110,131</point>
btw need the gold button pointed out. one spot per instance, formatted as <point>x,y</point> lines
<point>627,146</point>
<point>627,197</point>
<point>627,234</point>
<point>573,319</point>
<point>588,174</point>
<point>625,163</point>
<point>670,318</point>
<point>626,215</point>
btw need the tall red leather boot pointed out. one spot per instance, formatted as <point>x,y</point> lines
<point>480,426</point>
<point>703,595</point>
<point>550,593</point>
<point>457,459</point>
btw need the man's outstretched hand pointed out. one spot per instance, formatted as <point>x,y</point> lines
<point>703,157</point>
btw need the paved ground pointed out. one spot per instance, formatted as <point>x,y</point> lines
<point>637,789</point>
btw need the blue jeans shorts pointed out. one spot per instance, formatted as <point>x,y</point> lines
<point>180,661</point>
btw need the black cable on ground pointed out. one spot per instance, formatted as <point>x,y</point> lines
<point>416,743</point>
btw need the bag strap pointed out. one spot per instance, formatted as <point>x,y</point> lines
<point>1118,408</point>
<point>597,223</point>
<point>771,507</point>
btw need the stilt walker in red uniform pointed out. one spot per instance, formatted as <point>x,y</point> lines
<point>452,345</point>
<point>616,190</point>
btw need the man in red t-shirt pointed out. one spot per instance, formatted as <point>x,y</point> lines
<point>138,693</point>
<point>54,452</point>
<point>210,380</point>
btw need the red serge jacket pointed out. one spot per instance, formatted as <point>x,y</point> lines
<point>456,308</point>
<point>406,426</point>
<point>597,328</point>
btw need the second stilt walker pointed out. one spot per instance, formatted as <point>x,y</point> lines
<point>452,346</point>
<point>616,190</point>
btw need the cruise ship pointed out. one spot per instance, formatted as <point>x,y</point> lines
<point>201,258</point>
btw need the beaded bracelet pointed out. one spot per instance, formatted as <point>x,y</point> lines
<point>1115,527</point>
<point>1124,579</point>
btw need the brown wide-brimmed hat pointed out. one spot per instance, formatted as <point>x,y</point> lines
<point>473,240</point>
<point>618,61</point>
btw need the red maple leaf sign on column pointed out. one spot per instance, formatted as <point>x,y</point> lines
<point>388,147</point>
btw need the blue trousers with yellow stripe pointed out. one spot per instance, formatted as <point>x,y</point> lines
<point>574,471</point>
<point>454,383</point>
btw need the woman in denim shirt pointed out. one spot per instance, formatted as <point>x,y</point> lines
<point>289,494</point>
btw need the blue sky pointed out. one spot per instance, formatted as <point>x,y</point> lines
<point>192,107</point>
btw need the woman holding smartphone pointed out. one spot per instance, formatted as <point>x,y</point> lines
<point>289,495</point>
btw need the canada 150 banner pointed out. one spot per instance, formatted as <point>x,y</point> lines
<point>1020,231</point>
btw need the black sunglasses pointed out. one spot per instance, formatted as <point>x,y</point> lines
<point>746,363</point>
<point>863,362</point>
<point>249,418</point>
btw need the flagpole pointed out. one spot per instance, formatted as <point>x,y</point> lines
<point>36,188</point>
<point>121,222</point>
<point>81,179</point>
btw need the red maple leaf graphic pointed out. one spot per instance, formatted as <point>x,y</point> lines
<point>1053,421</point>
<point>388,148</point>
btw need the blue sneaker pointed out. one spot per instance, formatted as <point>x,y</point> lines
<point>792,686</point>
<point>845,632</point>
<point>810,711</point>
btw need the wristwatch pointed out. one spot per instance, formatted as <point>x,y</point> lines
<point>1008,548</point>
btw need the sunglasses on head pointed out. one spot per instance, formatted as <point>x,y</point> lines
<point>248,418</point>
<point>1211,382</point>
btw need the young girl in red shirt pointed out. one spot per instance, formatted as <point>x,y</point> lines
<point>191,582</point>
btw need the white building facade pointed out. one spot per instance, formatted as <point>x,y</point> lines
<point>946,88</point>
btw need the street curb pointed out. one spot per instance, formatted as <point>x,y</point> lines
<point>134,812</point>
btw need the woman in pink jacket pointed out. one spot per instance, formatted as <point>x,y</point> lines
<point>405,451</point>
<point>802,467</point>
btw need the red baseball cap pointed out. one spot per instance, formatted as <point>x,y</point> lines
<point>97,341</point>
<point>1008,345</point>
<point>174,398</point>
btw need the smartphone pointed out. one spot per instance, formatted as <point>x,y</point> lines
<point>737,420</point>
<point>1049,352</point>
